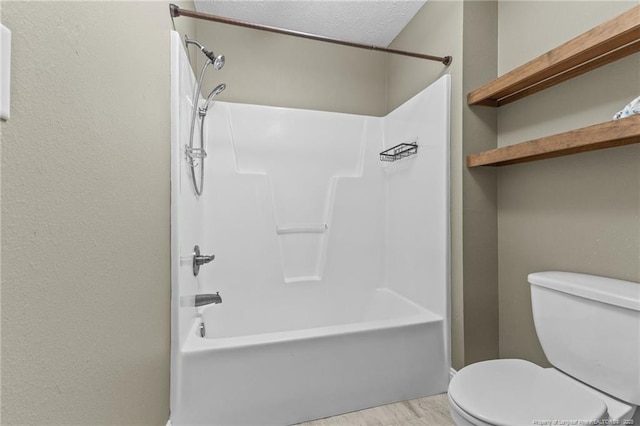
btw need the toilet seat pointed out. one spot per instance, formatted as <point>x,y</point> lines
<point>510,392</point>
<point>461,418</point>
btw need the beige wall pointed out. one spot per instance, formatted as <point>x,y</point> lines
<point>278,70</point>
<point>576,213</point>
<point>85,215</point>
<point>480,225</point>
<point>186,26</point>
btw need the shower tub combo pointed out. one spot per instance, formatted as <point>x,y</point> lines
<point>332,265</point>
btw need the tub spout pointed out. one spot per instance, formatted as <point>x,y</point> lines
<point>207,299</point>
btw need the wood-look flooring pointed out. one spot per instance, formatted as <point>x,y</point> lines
<point>428,411</point>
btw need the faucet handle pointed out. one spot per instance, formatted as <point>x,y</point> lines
<point>199,260</point>
<point>202,260</point>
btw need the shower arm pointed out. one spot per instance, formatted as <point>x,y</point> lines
<point>207,53</point>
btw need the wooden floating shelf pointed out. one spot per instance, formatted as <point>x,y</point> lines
<point>608,42</point>
<point>605,135</point>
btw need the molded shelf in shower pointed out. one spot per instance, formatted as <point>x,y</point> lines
<point>302,229</point>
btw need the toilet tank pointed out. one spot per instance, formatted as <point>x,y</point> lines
<point>589,328</point>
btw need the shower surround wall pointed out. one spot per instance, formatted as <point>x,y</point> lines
<point>333,266</point>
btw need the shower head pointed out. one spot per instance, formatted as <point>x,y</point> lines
<point>213,94</point>
<point>218,62</point>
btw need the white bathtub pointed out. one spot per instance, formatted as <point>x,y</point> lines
<point>291,367</point>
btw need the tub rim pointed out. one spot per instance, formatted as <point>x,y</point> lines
<point>195,343</point>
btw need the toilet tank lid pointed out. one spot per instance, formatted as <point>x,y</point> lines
<point>625,294</point>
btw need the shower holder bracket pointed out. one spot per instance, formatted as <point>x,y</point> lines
<point>399,151</point>
<point>194,153</point>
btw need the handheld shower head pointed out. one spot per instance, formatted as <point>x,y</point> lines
<point>213,94</point>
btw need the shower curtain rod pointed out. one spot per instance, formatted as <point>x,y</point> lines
<point>177,12</point>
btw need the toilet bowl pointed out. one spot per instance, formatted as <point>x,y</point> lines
<point>579,320</point>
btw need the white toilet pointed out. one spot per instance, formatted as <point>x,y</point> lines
<point>589,329</point>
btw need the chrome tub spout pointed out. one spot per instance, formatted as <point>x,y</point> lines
<point>207,299</point>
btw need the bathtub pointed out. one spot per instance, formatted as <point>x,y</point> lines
<point>293,366</point>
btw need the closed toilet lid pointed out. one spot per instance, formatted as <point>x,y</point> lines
<point>509,392</point>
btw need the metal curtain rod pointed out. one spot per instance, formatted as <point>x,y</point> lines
<point>177,12</point>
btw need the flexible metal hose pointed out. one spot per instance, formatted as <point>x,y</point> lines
<point>189,151</point>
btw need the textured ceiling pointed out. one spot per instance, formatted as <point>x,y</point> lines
<point>363,21</point>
